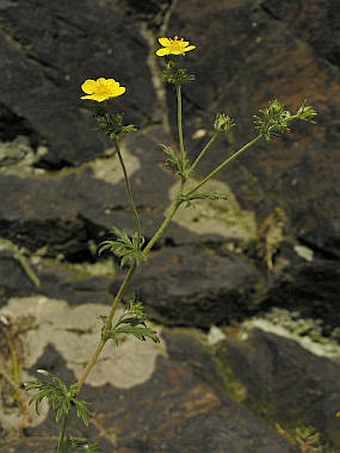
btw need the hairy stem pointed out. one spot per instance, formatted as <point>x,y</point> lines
<point>180,121</point>
<point>203,152</point>
<point>62,434</point>
<point>163,226</point>
<point>128,189</point>
<point>106,328</point>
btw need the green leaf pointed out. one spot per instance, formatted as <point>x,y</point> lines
<point>140,332</point>
<point>188,199</point>
<point>127,248</point>
<point>131,322</point>
<point>111,124</point>
<point>60,397</point>
<point>82,411</point>
<point>176,163</point>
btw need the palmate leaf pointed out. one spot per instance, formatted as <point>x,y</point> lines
<point>176,162</point>
<point>51,387</point>
<point>131,322</point>
<point>140,332</point>
<point>127,247</point>
<point>82,411</point>
<point>61,398</point>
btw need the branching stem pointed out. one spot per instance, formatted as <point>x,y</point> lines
<point>224,164</point>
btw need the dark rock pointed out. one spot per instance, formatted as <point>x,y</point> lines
<point>287,383</point>
<point>14,281</point>
<point>192,286</point>
<point>48,51</point>
<point>312,289</point>
<point>76,286</point>
<point>317,23</point>
<point>151,12</point>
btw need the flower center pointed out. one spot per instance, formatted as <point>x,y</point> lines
<point>101,88</point>
<point>176,44</point>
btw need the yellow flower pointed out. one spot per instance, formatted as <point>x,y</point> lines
<point>174,46</point>
<point>101,89</point>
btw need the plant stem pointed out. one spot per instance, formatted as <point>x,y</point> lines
<point>90,364</point>
<point>106,328</point>
<point>204,150</point>
<point>224,164</point>
<point>62,434</point>
<point>128,189</point>
<point>163,226</point>
<point>180,121</point>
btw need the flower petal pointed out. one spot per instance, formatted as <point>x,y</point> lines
<point>162,52</point>
<point>111,84</point>
<point>89,86</point>
<point>177,51</point>
<point>164,42</point>
<point>95,97</point>
<point>189,48</point>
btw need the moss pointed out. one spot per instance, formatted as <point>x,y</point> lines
<point>18,157</point>
<point>233,387</point>
<point>306,438</point>
<point>307,331</point>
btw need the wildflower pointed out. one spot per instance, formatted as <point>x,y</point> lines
<point>174,46</point>
<point>102,89</point>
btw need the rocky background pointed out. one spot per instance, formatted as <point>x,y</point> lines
<point>244,293</point>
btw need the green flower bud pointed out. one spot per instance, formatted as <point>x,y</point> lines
<point>223,123</point>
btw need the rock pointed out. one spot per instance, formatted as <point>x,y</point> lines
<point>192,286</point>
<point>48,51</point>
<point>284,381</point>
<point>78,284</point>
<point>316,25</point>
<point>316,282</point>
<point>14,280</point>
<point>153,401</point>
